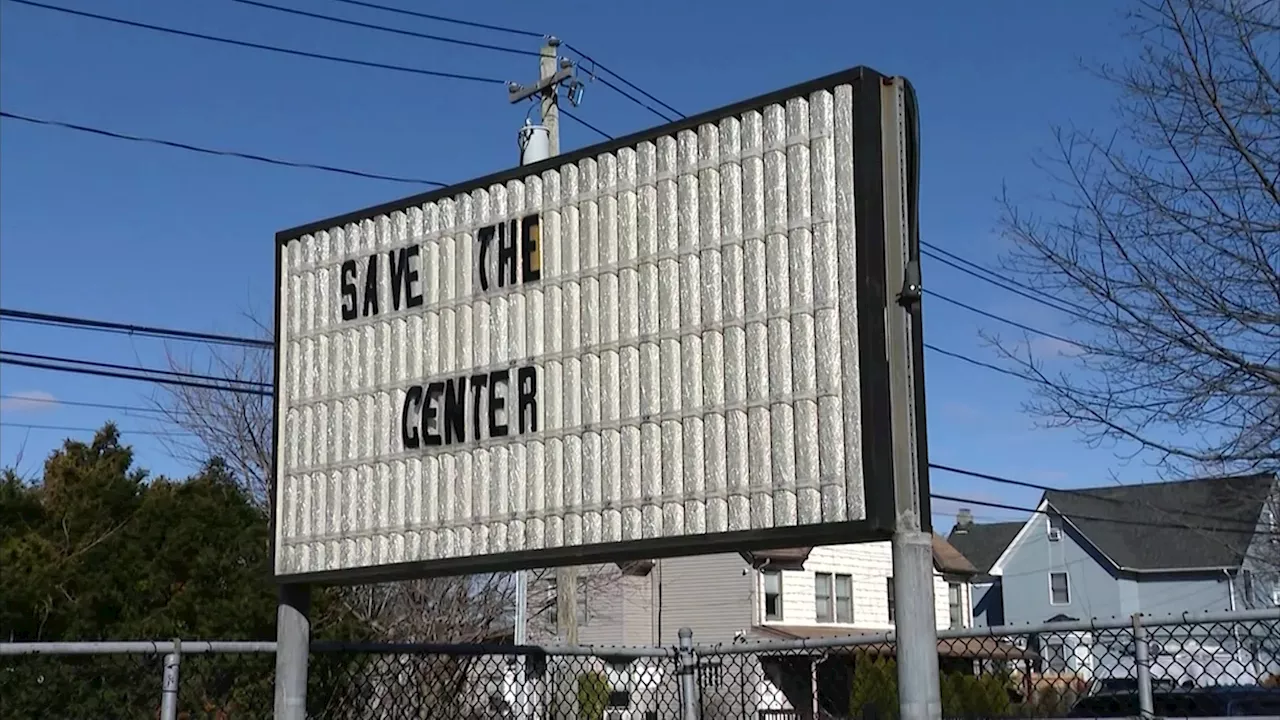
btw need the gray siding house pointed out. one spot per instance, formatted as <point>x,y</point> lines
<point>1158,548</point>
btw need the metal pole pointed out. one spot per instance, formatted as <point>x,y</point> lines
<point>169,687</point>
<point>919,694</point>
<point>688,661</point>
<point>293,641</point>
<point>1142,658</point>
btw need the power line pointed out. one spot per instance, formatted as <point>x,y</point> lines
<point>585,124</point>
<point>259,46</point>
<point>35,318</point>
<point>383,28</point>
<point>213,151</point>
<point>1251,531</point>
<point>529,33</point>
<point>999,318</point>
<point>1084,493</point>
<point>973,361</point>
<point>96,405</point>
<point>624,81</point>
<point>1001,277</point>
<point>1007,284</point>
<point>133,376</point>
<point>441,18</point>
<point>68,428</point>
<point>129,368</point>
<point>286,51</point>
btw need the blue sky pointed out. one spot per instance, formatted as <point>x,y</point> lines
<point>114,230</point>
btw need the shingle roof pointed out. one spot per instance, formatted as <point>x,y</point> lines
<point>983,543</point>
<point>1202,523</point>
<point>948,559</point>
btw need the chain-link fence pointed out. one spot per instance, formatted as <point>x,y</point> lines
<point>1208,665</point>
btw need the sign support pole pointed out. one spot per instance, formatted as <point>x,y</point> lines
<point>919,694</point>
<point>293,642</point>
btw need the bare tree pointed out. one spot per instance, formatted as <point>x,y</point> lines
<point>238,428</point>
<point>1166,247</point>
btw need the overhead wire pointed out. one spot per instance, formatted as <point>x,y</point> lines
<point>260,46</point>
<point>1087,492</point>
<point>134,376</point>
<point>1000,318</point>
<point>577,51</point>
<point>442,18</point>
<point>296,53</point>
<point>26,316</point>
<point>585,124</point>
<point>214,151</point>
<point>568,46</point>
<point>383,28</point>
<point>1250,531</point>
<point>58,402</point>
<point>7,354</point>
<point>975,270</point>
<point>70,428</point>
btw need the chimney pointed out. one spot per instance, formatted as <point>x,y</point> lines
<point>964,520</point>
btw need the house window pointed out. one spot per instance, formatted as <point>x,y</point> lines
<point>844,598</point>
<point>1055,528</point>
<point>888,583</point>
<point>1059,589</point>
<point>955,599</point>
<point>822,607</point>
<point>584,609</point>
<point>833,598</point>
<point>772,594</point>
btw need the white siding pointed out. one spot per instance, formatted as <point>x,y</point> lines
<point>870,565</point>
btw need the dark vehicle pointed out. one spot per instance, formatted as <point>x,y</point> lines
<point>1220,701</point>
<point>1121,686</point>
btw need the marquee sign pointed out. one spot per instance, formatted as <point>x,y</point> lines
<point>668,344</point>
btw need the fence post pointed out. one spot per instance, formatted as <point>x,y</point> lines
<point>1142,658</point>
<point>169,683</point>
<point>688,664</point>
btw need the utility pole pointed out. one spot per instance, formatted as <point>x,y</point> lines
<point>552,72</point>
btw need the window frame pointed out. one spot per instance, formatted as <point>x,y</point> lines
<point>1054,527</point>
<point>892,603</point>
<point>835,597</point>
<point>764,595</point>
<point>955,606</point>
<point>1066,586</point>
<point>827,580</point>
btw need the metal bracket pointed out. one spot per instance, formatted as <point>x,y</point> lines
<point>912,289</point>
<point>517,92</point>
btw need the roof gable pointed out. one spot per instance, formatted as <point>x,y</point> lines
<point>1191,524</point>
<point>983,543</point>
<point>1201,524</point>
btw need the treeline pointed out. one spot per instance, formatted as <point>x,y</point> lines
<point>95,548</point>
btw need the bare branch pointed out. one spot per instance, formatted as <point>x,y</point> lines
<point>1167,237</point>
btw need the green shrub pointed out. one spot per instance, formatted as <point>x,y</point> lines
<point>875,682</point>
<point>593,696</point>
